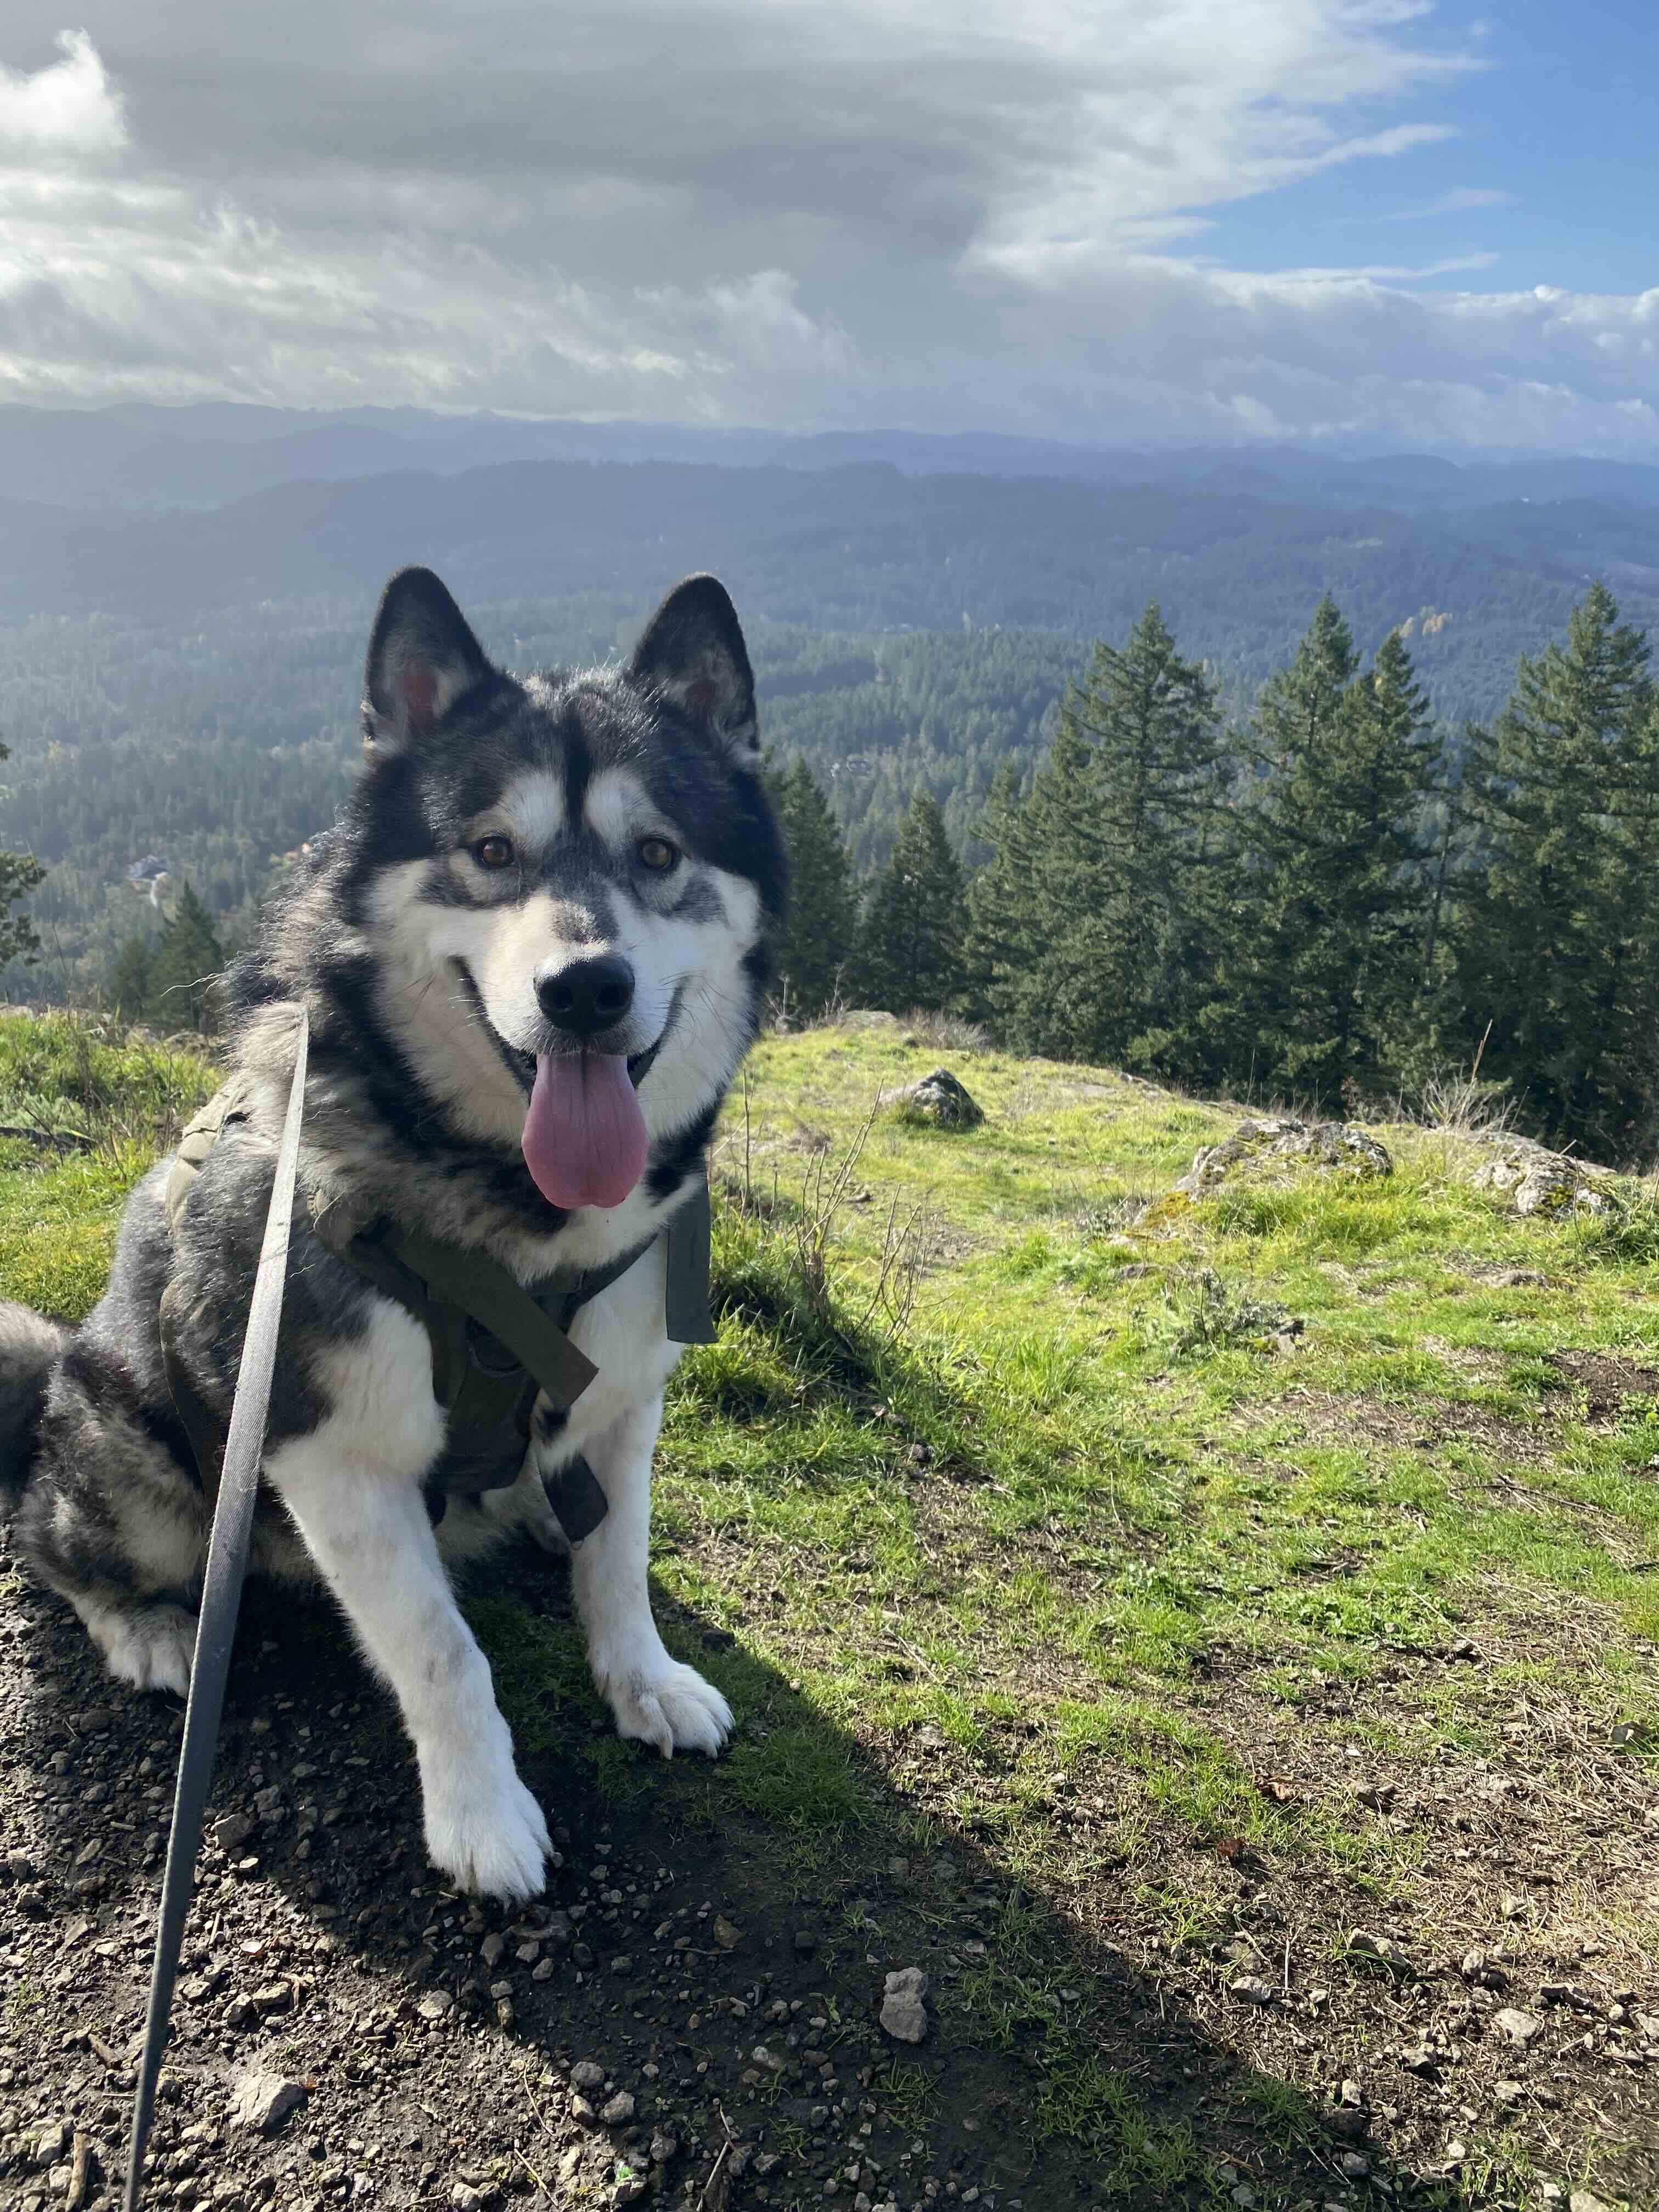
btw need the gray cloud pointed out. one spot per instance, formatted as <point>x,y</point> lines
<point>880,211</point>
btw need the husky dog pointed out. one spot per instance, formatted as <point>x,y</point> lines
<point>532,955</point>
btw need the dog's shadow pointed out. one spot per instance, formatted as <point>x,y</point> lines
<point>715,1942</point>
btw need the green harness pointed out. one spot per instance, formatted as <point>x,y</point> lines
<point>497,1346</point>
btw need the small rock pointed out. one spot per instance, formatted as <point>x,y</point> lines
<point>1582,2200</point>
<point>725,1934</point>
<point>1508,2093</point>
<point>263,2101</point>
<point>665,2147</point>
<point>621,1965</point>
<point>20,1867</point>
<point>586,2074</point>
<point>1421,2060</point>
<point>1478,1968</point>
<point>465,2198</point>
<point>491,1949</point>
<point>619,2110</point>
<point>1355,2165</point>
<point>805,1942</point>
<point>233,1830</point>
<point>903,2009</point>
<point>1250,1988</point>
<point>1456,2151</point>
<point>435,2005</point>
<point>51,2143</point>
<point>1517,2026</point>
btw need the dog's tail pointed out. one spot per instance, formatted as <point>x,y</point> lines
<point>30,1346</point>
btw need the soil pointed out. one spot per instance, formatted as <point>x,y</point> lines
<point>690,2016</point>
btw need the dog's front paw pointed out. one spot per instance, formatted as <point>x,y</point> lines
<point>488,1836</point>
<point>657,1701</point>
<point>152,1647</point>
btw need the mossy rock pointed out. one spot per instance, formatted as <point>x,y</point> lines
<point>1273,1148</point>
<point>1549,1185</point>
<point>939,1100</point>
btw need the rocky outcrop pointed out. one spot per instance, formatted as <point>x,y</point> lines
<point>1536,1181</point>
<point>1265,1148</point>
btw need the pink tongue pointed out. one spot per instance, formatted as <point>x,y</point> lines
<point>584,1136</point>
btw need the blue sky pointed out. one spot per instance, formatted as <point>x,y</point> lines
<point>1559,122</point>
<point>1374,223</point>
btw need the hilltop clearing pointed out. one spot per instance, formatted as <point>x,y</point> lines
<point>1210,1632</point>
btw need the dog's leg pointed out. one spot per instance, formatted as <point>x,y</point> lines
<point>353,1487</point>
<point>654,1698</point>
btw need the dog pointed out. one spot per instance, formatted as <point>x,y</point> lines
<point>533,953</point>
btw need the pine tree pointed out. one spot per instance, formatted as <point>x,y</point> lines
<point>183,968</point>
<point>1557,946</point>
<point>818,941</point>
<point>1336,907</point>
<point>20,874</point>
<point>910,947</point>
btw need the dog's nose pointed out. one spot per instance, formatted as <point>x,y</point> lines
<point>587,996</point>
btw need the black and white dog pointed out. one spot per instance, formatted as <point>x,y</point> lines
<point>532,955</point>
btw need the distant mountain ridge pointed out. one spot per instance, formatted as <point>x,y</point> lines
<point>143,455</point>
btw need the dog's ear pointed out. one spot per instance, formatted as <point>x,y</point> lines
<point>693,653</point>
<point>421,659</point>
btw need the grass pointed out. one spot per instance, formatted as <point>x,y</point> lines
<point>1130,1546</point>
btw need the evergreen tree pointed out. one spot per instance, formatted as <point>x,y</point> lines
<point>127,984</point>
<point>910,947</point>
<point>1084,927</point>
<point>20,874</point>
<point>999,904</point>
<point>1123,973</point>
<point>1557,947</point>
<point>186,963</point>
<point>1336,907</point>
<point>818,941</point>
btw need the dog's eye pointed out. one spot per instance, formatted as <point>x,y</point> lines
<point>658,855</point>
<point>494,853</point>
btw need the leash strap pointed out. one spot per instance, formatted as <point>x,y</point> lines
<point>221,1595</point>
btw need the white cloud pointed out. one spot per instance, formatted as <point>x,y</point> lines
<point>65,107</point>
<point>1468,199</point>
<point>784,211</point>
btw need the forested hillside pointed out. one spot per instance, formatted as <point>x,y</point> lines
<point>179,675</point>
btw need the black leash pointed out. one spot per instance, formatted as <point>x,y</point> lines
<point>221,1596</point>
